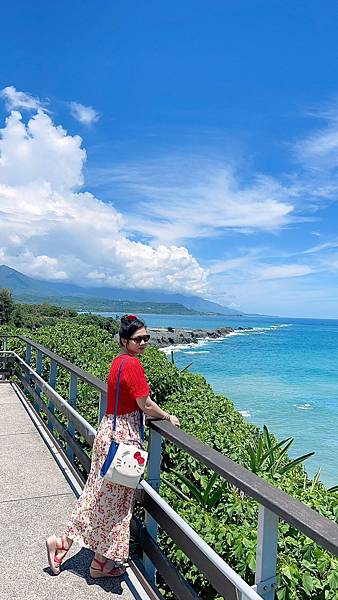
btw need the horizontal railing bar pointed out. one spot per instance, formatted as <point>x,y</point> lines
<point>221,576</point>
<point>82,426</point>
<point>80,373</point>
<point>178,585</point>
<point>75,477</point>
<point>317,527</point>
<point>78,451</point>
<point>149,588</point>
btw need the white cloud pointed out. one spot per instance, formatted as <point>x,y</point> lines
<point>319,150</point>
<point>51,230</point>
<point>175,204</point>
<point>321,247</point>
<point>39,151</point>
<point>84,114</point>
<point>284,271</point>
<point>19,100</point>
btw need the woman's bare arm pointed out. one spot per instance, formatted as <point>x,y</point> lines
<point>151,409</point>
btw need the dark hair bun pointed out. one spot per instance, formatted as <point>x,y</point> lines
<point>129,324</point>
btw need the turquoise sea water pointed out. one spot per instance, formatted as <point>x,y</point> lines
<point>283,372</point>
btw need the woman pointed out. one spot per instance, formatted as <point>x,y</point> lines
<point>101,517</point>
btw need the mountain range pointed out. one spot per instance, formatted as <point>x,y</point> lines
<point>27,289</point>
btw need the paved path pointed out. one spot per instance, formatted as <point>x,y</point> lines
<point>35,501</point>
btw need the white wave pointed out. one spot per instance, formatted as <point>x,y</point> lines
<point>270,327</point>
<point>305,406</point>
<point>244,413</point>
<point>169,349</point>
<point>207,340</point>
<point>233,333</point>
<point>253,331</point>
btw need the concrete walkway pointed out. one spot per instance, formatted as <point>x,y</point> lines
<point>35,501</point>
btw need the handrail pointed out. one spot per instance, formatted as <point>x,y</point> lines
<point>94,381</point>
<point>321,529</point>
<point>221,576</point>
<point>310,522</point>
<point>194,544</point>
<point>83,427</point>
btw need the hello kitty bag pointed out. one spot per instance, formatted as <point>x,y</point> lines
<point>125,463</point>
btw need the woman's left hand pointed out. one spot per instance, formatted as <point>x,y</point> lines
<point>174,420</point>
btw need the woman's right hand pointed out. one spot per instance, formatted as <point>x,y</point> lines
<point>174,420</point>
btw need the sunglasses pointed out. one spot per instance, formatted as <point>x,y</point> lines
<point>139,338</point>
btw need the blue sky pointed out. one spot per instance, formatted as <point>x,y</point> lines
<point>190,146</point>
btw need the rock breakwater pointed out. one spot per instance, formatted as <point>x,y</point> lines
<point>170,336</point>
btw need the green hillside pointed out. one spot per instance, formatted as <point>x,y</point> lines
<point>100,304</point>
<point>27,289</point>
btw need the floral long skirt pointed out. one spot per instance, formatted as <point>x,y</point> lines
<point>101,517</point>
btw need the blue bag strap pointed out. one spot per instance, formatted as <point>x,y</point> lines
<point>141,427</point>
<point>117,392</point>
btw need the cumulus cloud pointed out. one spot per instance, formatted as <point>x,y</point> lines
<point>19,100</point>
<point>39,151</point>
<point>50,229</point>
<point>84,114</point>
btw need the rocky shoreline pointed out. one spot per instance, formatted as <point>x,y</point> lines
<point>170,336</point>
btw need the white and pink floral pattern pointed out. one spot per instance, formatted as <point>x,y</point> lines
<point>101,517</point>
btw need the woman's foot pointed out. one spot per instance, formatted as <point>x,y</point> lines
<point>57,548</point>
<point>105,568</point>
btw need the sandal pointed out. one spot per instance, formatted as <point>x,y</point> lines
<point>99,571</point>
<point>56,552</point>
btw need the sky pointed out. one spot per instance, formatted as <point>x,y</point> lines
<point>189,146</point>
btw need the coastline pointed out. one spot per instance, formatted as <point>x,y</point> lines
<point>162,337</point>
<point>166,337</point>
<point>280,372</point>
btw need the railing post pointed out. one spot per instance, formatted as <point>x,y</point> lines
<point>52,383</point>
<point>72,402</point>
<point>4,343</point>
<point>153,478</point>
<point>39,372</point>
<point>102,406</point>
<point>266,553</point>
<point>28,359</point>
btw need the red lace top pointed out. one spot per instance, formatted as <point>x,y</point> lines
<point>133,384</point>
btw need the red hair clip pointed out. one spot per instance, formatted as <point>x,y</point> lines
<point>131,317</point>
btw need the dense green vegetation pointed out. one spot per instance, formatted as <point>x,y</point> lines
<point>220,513</point>
<point>34,316</point>
<point>6,306</point>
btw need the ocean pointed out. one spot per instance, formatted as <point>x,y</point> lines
<point>283,373</point>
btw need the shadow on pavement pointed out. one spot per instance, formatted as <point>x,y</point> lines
<point>79,566</point>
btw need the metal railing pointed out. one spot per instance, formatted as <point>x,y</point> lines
<point>273,503</point>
